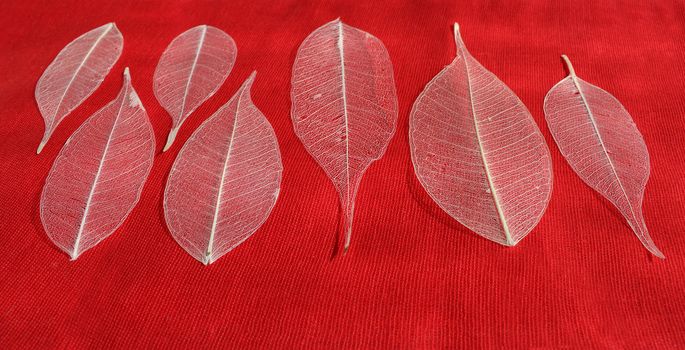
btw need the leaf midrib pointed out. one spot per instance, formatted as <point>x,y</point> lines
<point>488,175</point>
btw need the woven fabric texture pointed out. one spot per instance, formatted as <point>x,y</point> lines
<point>413,277</point>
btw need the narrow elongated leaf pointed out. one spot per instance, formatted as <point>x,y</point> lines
<point>600,141</point>
<point>75,74</point>
<point>191,70</point>
<point>344,105</point>
<point>98,175</point>
<point>478,153</point>
<point>225,180</point>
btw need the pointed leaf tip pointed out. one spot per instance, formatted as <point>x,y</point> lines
<point>253,75</point>
<point>40,147</point>
<point>655,250</point>
<point>170,139</point>
<point>127,76</point>
<point>247,85</point>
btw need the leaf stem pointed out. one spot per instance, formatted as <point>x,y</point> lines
<point>457,35</point>
<point>571,71</point>
<point>348,218</point>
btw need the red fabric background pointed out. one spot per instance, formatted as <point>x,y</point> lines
<point>413,278</point>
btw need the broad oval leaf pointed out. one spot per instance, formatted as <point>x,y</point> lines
<point>225,180</point>
<point>192,68</point>
<point>75,74</point>
<point>98,175</point>
<point>478,153</point>
<point>600,141</point>
<point>344,105</point>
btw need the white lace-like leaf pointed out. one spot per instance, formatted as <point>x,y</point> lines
<point>75,74</point>
<point>478,153</point>
<point>344,105</point>
<point>98,175</point>
<point>225,180</point>
<point>600,141</point>
<point>192,68</point>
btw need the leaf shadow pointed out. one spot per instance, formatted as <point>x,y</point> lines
<point>335,249</point>
<point>165,177</point>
